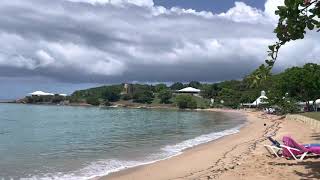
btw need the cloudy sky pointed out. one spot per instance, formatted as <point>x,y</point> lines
<point>63,45</point>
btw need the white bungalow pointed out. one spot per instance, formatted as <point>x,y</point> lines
<point>41,93</point>
<point>189,90</point>
<point>262,99</point>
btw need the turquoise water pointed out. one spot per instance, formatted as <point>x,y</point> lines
<point>59,142</point>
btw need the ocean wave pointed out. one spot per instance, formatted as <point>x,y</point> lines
<point>178,148</point>
<point>105,167</point>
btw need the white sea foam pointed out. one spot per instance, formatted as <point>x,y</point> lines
<point>105,167</point>
<point>178,148</point>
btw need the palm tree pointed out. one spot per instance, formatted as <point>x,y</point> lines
<point>258,76</point>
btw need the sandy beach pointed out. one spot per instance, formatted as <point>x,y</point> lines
<point>238,156</point>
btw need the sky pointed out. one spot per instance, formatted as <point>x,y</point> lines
<point>64,45</point>
<point>215,6</point>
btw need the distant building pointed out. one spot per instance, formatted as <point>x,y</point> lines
<point>41,93</point>
<point>189,90</point>
<point>303,105</point>
<point>262,99</point>
<point>127,89</point>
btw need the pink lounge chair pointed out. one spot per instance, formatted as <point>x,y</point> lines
<point>291,148</point>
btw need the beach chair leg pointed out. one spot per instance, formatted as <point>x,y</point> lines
<point>292,154</point>
<point>303,156</point>
<point>276,153</point>
<point>272,149</point>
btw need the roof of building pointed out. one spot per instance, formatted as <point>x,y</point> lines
<point>41,93</point>
<point>190,90</point>
<point>260,100</point>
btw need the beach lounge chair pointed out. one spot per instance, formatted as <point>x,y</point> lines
<point>277,148</point>
<point>291,149</point>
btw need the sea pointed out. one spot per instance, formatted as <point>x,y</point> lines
<point>64,142</point>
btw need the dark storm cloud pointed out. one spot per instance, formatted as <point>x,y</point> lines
<point>133,41</point>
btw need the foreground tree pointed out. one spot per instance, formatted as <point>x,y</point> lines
<point>295,18</point>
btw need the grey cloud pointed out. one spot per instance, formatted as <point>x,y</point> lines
<point>82,42</point>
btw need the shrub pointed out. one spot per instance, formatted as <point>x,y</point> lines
<point>93,101</point>
<point>73,99</point>
<point>160,87</point>
<point>165,96</point>
<point>186,101</point>
<point>112,94</point>
<point>57,99</point>
<point>126,97</point>
<point>143,96</point>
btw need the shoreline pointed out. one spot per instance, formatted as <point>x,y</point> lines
<point>136,106</point>
<point>220,134</point>
<point>128,171</point>
<point>236,156</point>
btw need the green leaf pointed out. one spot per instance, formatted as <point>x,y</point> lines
<point>271,47</point>
<point>287,2</point>
<point>290,3</point>
<point>310,26</point>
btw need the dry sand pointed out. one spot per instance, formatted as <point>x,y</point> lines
<point>238,156</point>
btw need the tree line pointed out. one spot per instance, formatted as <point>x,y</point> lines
<point>284,90</point>
<point>296,84</point>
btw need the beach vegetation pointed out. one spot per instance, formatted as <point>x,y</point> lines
<point>202,103</point>
<point>186,102</point>
<point>210,90</point>
<point>160,87</point>
<point>298,83</point>
<point>143,95</point>
<point>98,92</point>
<point>112,94</point>
<point>230,97</point>
<point>284,90</point>
<point>56,99</point>
<point>165,96</point>
<point>93,101</point>
<point>126,97</point>
<point>73,99</point>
